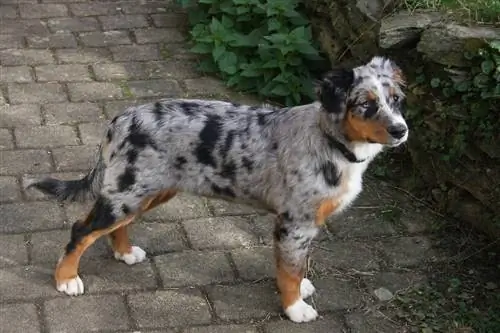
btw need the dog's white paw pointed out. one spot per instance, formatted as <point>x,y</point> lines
<point>301,312</point>
<point>306,288</point>
<point>73,287</point>
<point>135,256</point>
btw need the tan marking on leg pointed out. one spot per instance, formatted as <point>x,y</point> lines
<point>67,268</point>
<point>326,208</point>
<point>120,241</point>
<point>288,280</point>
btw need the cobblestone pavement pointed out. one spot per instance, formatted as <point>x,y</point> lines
<point>66,67</point>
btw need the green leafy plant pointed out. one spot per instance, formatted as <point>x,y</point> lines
<point>256,46</point>
<point>467,106</point>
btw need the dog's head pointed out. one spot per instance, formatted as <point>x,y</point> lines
<point>367,101</point>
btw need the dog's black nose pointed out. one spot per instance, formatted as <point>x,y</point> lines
<point>397,131</point>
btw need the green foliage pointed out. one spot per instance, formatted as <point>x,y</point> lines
<point>467,106</point>
<point>256,46</point>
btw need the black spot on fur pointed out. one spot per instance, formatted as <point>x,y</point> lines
<point>274,146</point>
<point>223,191</point>
<point>261,119</point>
<point>330,173</point>
<point>254,108</point>
<point>209,136</point>
<point>228,143</point>
<point>126,209</point>
<point>247,163</point>
<point>139,138</point>
<point>280,232</point>
<point>179,162</point>
<point>158,112</point>
<point>243,146</point>
<point>229,170</point>
<point>332,90</point>
<point>132,155</point>
<point>371,110</point>
<point>336,144</point>
<point>126,180</point>
<point>189,108</point>
<point>109,135</point>
<point>286,216</point>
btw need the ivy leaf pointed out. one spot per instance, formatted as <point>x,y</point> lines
<point>487,66</point>
<point>463,86</point>
<point>280,90</point>
<point>435,82</point>
<point>218,51</point>
<point>207,66</point>
<point>242,10</point>
<point>201,48</point>
<point>481,80</point>
<point>273,24</point>
<point>495,45</point>
<point>227,63</point>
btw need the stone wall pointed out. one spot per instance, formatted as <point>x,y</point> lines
<point>353,31</point>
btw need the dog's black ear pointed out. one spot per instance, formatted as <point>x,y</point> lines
<point>332,89</point>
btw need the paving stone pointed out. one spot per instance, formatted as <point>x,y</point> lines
<point>182,206</point>
<point>102,39</point>
<point>346,255</point>
<point>335,294</point>
<point>36,93</point>
<point>14,251</point>
<point>5,139</point>
<point>394,282</point>
<point>220,232</point>
<point>149,7</point>
<point>20,115</point>
<point>156,238</point>
<point>15,74</point>
<point>123,22</point>
<point>222,208</point>
<point>15,57</point>
<point>361,223</point>
<point>94,91</point>
<point>407,251</point>
<point>191,268</point>
<point>75,158</point>
<point>10,41</point>
<point>254,263</point>
<point>263,226</point>
<point>94,8</point>
<point>154,88</point>
<point>58,40</point>
<point>321,325</point>
<point>155,35</point>
<point>46,136</point>
<point>83,56</point>
<point>24,161</point>
<point>366,323</point>
<point>15,318</point>
<point>62,73</point>
<point>72,113</point>
<point>42,10</point>
<point>27,282</point>
<point>8,12</point>
<point>135,52</point>
<point>169,20</point>
<point>8,2</point>
<point>10,189</point>
<point>169,308</point>
<point>86,313</point>
<point>22,217</point>
<point>245,301</point>
<point>221,329</point>
<point>48,246</point>
<point>205,86</point>
<point>23,27</point>
<point>92,133</point>
<point>73,24</point>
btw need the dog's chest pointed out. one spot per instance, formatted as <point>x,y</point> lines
<point>351,184</point>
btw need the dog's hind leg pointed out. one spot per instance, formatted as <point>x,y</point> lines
<point>120,241</point>
<point>102,220</point>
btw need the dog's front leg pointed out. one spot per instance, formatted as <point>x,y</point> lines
<point>292,240</point>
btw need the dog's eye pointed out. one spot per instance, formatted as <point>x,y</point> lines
<point>395,98</point>
<point>365,105</point>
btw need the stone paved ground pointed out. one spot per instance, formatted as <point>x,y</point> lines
<point>66,67</point>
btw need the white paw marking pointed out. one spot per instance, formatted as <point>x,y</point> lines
<point>301,312</point>
<point>73,287</point>
<point>135,256</point>
<point>306,288</point>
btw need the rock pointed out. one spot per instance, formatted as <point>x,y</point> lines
<point>404,27</point>
<point>347,30</point>
<point>446,43</point>
<point>383,294</point>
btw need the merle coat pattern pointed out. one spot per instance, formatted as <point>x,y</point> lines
<point>303,163</point>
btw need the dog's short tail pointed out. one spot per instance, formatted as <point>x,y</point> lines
<point>86,188</point>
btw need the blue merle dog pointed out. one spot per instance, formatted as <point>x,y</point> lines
<point>303,164</point>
